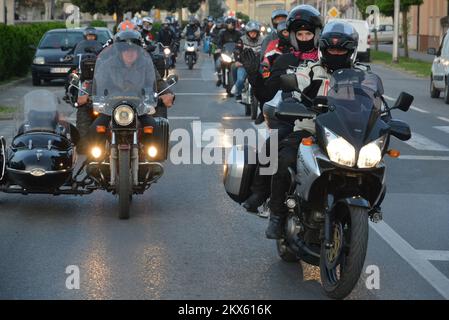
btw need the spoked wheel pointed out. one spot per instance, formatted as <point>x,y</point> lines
<point>341,265</point>
<point>124,184</point>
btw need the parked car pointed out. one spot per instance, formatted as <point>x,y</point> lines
<point>385,33</point>
<point>439,79</point>
<point>364,47</point>
<point>52,59</point>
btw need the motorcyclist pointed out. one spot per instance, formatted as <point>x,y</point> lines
<point>304,24</point>
<point>127,61</point>
<point>277,16</point>
<point>218,26</point>
<point>338,50</point>
<point>147,25</point>
<point>192,30</point>
<point>250,40</point>
<point>167,37</point>
<point>227,35</point>
<point>209,25</point>
<point>126,25</point>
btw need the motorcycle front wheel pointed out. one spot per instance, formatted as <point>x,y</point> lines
<point>341,265</point>
<point>124,184</point>
<point>190,62</point>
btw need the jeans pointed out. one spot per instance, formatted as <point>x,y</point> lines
<point>239,74</point>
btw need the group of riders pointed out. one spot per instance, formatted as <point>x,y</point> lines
<point>299,41</point>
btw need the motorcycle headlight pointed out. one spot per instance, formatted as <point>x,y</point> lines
<point>339,150</point>
<point>167,51</point>
<point>39,60</point>
<point>152,152</point>
<point>226,58</point>
<point>96,152</point>
<point>123,115</point>
<point>371,154</point>
<point>190,49</point>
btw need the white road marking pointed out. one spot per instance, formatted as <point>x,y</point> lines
<point>445,129</point>
<point>434,255</point>
<point>420,142</point>
<point>426,269</point>
<point>424,158</point>
<point>443,119</point>
<point>192,79</point>
<point>389,98</point>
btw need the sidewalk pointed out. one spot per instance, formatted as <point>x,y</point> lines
<point>412,53</point>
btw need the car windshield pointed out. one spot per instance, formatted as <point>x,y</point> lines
<point>58,40</point>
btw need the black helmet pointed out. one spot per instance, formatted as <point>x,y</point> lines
<point>130,37</point>
<point>304,17</point>
<point>252,26</point>
<point>282,27</point>
<point>278,13</point>
<point>231,20</point>
<point>338,35</point>
<point>90,31</point>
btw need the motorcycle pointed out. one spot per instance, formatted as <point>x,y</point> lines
<point>339,178</point>
<point>249,100</point>
<point>190,48</point>
<point>128,162</point>
<point>168,58</point>
<point>227,61</point>
<point>41,156</point>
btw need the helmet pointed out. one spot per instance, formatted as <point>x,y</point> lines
<point>252,26</point>
<point>167,20</point>
<point>90,31</point>
<point>192,20</point>
<point>210,19</point>
<point>219,23</point>
<point>130,37</point>
<point>230,21</point>
<point>338,35</point>
<point>149,21</point>
<point>304,17</point>
<point>126,25</point>
<point>280,29</point>
<point>278,13</point>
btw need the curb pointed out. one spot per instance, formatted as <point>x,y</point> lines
<point>15,82</point>
<point>7,116</point>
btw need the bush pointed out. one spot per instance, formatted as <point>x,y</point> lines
<point>15,53</point>
<point>98,24</point>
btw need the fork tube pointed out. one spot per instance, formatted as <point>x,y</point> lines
<point>135,160</point>
<point>113,159</point>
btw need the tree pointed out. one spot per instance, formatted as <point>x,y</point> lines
<point>387,8</point>
<point>362,5</point>
<point>216,9</point>
<point>242,16</point>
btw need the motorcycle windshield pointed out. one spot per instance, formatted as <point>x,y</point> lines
<point>38,112</point>
<point>124,73</point>
<point>355,96</point>
<point>85,47</point>
<point>229,47</point>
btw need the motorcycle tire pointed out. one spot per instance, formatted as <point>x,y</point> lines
<point>124,184</point>
<point>254,107</point>
<point>352,228</point>
<point>190,62</point>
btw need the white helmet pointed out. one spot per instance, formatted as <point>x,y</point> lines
<point>148,20</point>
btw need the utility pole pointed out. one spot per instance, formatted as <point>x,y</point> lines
<point>396,32</point>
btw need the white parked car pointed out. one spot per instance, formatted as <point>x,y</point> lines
<point>385,33</point>
<point>364,47</point>
<point>439,79</point>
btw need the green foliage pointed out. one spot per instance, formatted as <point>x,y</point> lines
<point>386,7</point>
<point>215,8</point>
<point>15,54</point>
<point>242,16</point>
<point>363,4</point>
<point>99,24</point>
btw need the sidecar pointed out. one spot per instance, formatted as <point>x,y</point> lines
<point>41,156</point>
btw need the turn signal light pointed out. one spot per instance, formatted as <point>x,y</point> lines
<point>101,129</point>
<point>394,153</point>
<point>307,141</point>
<point>148,130</point>
<point>96,113</point>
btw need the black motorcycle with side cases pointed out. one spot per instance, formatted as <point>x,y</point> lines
<point>339,179</point>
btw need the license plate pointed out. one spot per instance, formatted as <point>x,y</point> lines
<point>59,70</point>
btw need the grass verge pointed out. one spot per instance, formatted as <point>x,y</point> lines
<point>416,67</point>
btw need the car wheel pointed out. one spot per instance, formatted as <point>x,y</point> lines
<point>434,92</point>
<point>446,93</point>
<point>36,79</point>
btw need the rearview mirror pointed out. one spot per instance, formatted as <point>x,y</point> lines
<point>289,82</point>
<point>404,102</point>
<point>432,51</point>
<point>172,79</point>
<point>400,129</point>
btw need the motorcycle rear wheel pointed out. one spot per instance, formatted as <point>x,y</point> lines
<point>124,184</point>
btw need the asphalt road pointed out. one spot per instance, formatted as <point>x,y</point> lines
<point>187,239</point>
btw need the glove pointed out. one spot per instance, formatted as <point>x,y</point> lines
<point>250,61</point>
